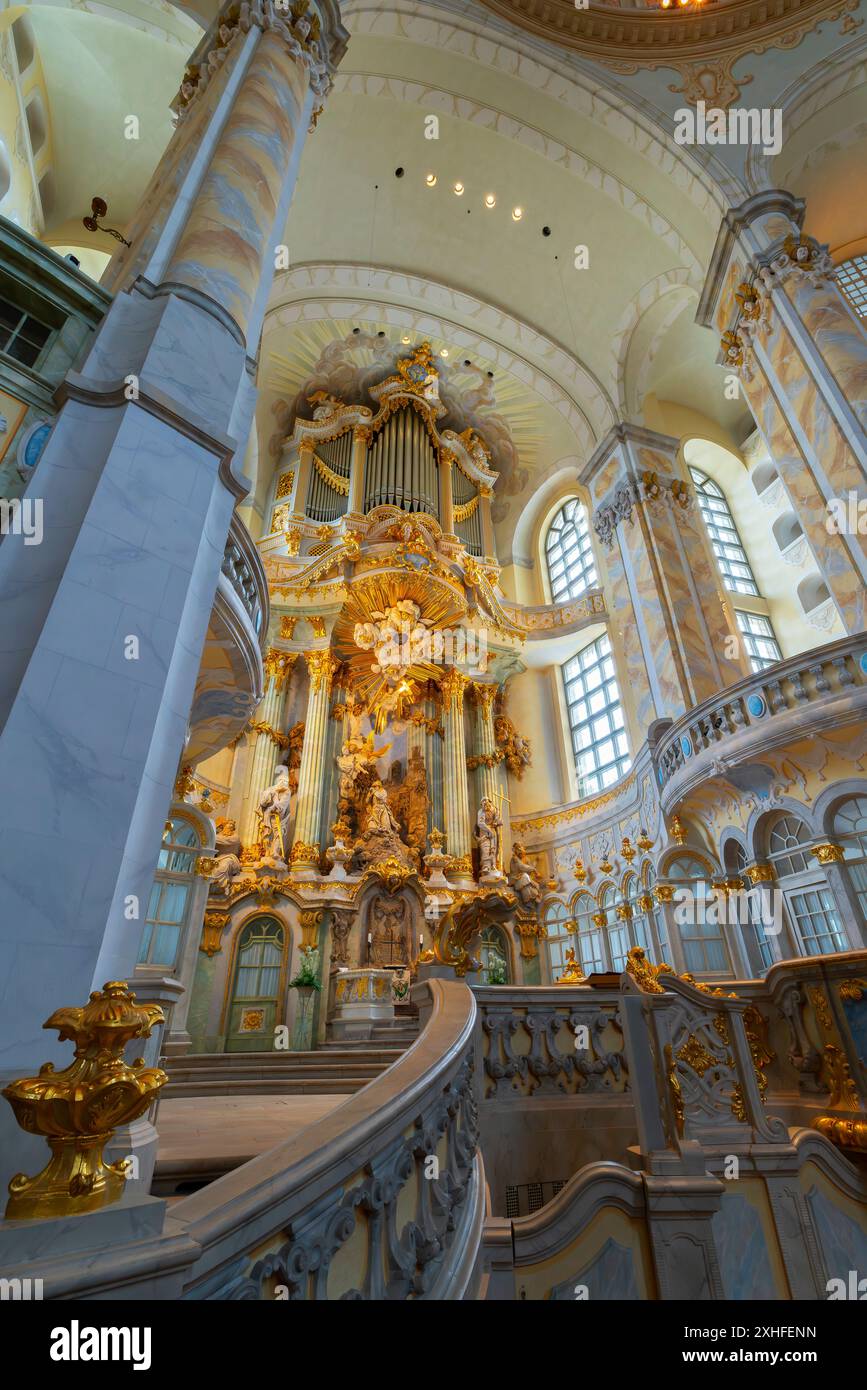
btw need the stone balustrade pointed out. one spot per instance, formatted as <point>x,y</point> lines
<point>545,620</point>
<point>762,711</point>
<point>245,572</point>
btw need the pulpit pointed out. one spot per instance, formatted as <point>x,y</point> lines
<point>362,999</point>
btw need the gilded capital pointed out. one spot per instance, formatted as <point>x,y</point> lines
<point>761,873</point>
<point>453,685</point>
<point>278,666</point>
<point>828,854</point>
<point>322,665</point>
<point>484,693</point>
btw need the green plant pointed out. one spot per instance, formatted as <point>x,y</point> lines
<point>496,971</point>
<point>307,977</point>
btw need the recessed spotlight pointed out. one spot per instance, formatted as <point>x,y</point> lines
<point>381,333</point>
<point>405,339</point>
<point>467,362</point>
<point>490,200</point>
<point>459,188</point>
<point>356,330</point>
<point>517,214</point>
<point>444,352</point>
<point>431,180</point>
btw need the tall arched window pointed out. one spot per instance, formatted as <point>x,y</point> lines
<point>588,923</point>
<point>617,929</point>
<point>852,280</point>
<point>569,552</point>
<point>730,554</point>
<point>595,717</point>
<point>850,828</point>
<point>704,949</point>
<point>654,915</point>
<point>557,923</point>
<point>170,895</point>
<point>809,901</point>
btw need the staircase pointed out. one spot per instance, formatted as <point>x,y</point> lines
<point>221,1114</point>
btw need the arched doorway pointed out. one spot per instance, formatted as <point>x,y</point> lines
<point>256,1005</point>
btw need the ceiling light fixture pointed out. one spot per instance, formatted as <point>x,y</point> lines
<point>490,200</point>
<point>444,352</point>
<point>517,214</point>
<point>405,339</point>
<point>431,180</point>
<point>459,188</point>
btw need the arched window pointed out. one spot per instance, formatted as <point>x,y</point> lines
<point>588,925</point>
<point>617,929</point>
<point>595,717</point>
<point>760,952</point>
<point>569,552</point>
<point>170,895</point>
<point>730,554</point>
<point>850,829</point>
<point>258,995</point>
<point>654,915</point>
<point>852,279</point>
<point>809,901</point>
<point>557,923</point>
<point>704,948</point>
<point>494,956</point>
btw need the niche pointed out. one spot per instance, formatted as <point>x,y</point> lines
<point>35,114</point>
<point>789,533</point>
<point>813,592</point>
<point>764,477</point>
<point>22,38</point>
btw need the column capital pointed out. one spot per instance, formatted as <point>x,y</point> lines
<point>453,686</point>
<point>828,853</point>
<point>322,665</point>
<point>279,665</point>
<point>484,693</point>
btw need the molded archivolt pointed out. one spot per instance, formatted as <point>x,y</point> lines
<point>660,303</point>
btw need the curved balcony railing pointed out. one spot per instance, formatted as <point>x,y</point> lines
<point>381,1199</point>
<point>244,570</point>
<point>762,711</point>
<point>545,620</point>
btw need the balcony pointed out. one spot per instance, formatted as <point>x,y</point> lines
<point>822,688</point>
<point>231,678</point>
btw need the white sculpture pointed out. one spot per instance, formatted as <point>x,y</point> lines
<point>487,831</point>
<point>227,862</point>
<point>273,815</point>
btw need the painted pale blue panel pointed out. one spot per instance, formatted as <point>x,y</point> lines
<point>843,1243</point>
<point>856,1017</point>
<point>743,1255</point>
<point>610,1276</point>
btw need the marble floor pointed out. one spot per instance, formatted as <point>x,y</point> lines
<point>219,1132</point>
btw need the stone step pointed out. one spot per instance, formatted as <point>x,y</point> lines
<point>266,1086</point>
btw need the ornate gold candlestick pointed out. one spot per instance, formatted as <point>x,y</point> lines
<point>77,1109</point>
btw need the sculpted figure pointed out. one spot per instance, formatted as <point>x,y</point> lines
<point>379,819</point>
<point>523,879</point>
<point>227,861</point>
<point>273,815</point>
<point>487,832</point>
<point>388,944</point>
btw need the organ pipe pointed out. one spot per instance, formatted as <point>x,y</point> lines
<point>402,466</point>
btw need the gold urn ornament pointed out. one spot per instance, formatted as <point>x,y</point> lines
<point>76,1110</point>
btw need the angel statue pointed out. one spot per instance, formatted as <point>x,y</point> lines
<point>523,878</point>
<point>272,816</point>
<point>227,857</point>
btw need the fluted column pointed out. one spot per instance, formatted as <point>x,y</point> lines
<point>455,796</point>
<point>305,468</point>
<point>485,753</point>
<point>266,727</point>
<point>322,665</point>
<point>801,356</point>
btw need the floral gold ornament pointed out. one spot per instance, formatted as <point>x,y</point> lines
<point>663,892</point>
<point>643,842</point>
<point>674,1088</point>
<point>279,665</point>
<point>828,854</point>
<point>215,924</point>
<point>732,349</point>
<point>284,485</point>
<point>626,850</point>
<point>605,864</point>
<point>77,1110</point>
<point>311,921</point>
<point>579,871</point>
<point>678,830</point>
<point>184,782</point>
<point>761,873</point>
<point>644,972</point>
<point>852,991</point>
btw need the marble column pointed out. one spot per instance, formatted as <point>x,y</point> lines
<point>266,727</point>
<point>321,665</point>
<point>662,581</point>
<point>487,781</point>
<point>105,621</point>
<point>489,544</point>
<point>455,796</point>
<point>801,356</point>
<point>302,482</point>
